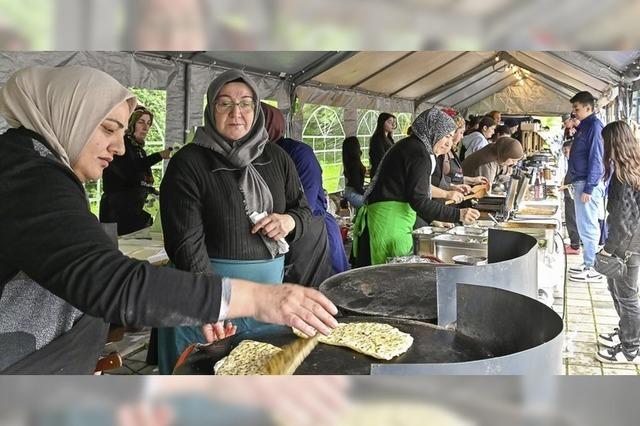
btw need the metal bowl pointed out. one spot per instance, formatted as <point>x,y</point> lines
<point>463,259</point>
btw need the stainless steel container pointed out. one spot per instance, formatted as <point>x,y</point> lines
<point>469,231</point>
<point>422,240</point>
<point>463,259</point>
<point>446,246</point>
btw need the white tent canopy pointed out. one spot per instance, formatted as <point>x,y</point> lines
<point>515,82</point>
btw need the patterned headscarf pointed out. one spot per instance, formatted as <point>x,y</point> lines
<point>431,126</point>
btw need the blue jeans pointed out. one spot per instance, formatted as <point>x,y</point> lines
<point>587,219</point>
<point>356,199</point>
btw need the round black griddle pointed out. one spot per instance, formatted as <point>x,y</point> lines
<point>430,345</point>
<point>400,291</point>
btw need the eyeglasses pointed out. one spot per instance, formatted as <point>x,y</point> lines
<point>226,107</point>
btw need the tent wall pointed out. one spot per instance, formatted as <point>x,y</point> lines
<point>130,70</point>
<point>383,81</point>
<point>351,101</point>
<point>530,97</point>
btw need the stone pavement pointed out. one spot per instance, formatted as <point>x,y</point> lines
<point>589,311</point>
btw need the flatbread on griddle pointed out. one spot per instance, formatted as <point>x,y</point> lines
<point>379,340</point>
<point>397,413</point>
<point>247,359</point>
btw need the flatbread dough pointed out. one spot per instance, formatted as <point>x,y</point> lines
<point>247,359</point>
<point>397,413</point>
<point>378,340</point>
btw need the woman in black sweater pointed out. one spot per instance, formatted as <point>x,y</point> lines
<point>211,192</point>
<point>402,189</point>
<point>622,167</point>
<point>128,179</point>
<point>381,140</point>
<point>62,279</point>
<point>353,170</point>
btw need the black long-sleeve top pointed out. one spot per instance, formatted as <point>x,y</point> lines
<point>405,176</point>
<point>378,146</point>
<point>624,218</point>
<point>48,232</point>
<point>202,208</point>
<point>354,176</point>
<point>129,170</point>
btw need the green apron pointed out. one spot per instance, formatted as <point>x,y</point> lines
<point>389,224</point>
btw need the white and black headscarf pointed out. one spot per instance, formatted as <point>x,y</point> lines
<point>241,153</point>
<point>429,127</point>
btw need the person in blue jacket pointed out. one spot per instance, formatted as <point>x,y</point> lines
<point>586,169</point>
<point>309,268</point>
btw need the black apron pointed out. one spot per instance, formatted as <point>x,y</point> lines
<point>309,259</point>
<point>74,352</point>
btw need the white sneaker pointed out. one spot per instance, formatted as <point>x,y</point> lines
<point>588,274</point>
<point>617,356</point>
<point>576,268</point>
<point>610,340</point>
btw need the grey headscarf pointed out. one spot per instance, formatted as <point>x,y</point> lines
<point>241,153</point>
<point>430,126</point>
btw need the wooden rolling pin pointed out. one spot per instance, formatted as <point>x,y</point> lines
<point>477,191</point>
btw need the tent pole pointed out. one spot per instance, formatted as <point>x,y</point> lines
<point>187,101</point>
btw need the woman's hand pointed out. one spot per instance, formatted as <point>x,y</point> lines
<point>464,188</point>
<point>275,226</point>
<point>456,196</point>
<point>218,331</point>
<point>165,153</point>
<point>477,180</point>
<point>442,224</point>
<point>604,253</point>
<point>469,216</point>
<point>304,308</point>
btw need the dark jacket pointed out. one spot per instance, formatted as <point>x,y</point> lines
<point>203,213</point>
<point>354,174</point>
<point>378,146</point>
<point>50,240</point>
<point>310,173</point>
<point>623,221</point>
<point>125,185</point>
<point>587,150</point>
<point>405,176</point>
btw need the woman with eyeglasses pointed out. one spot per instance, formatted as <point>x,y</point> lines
<point>229,202</point>
<point>62,279</point>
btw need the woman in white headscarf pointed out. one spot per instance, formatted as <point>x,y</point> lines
<point>61,276</point>
<point>401,190</point>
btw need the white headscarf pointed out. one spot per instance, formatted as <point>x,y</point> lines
<point>64,105</point>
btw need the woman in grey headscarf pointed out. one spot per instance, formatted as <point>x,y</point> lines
<point>401,189</point>
<point>61,276</point>
<point>210,196</point>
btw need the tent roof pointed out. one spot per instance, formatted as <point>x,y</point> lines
<point>457,79</point>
